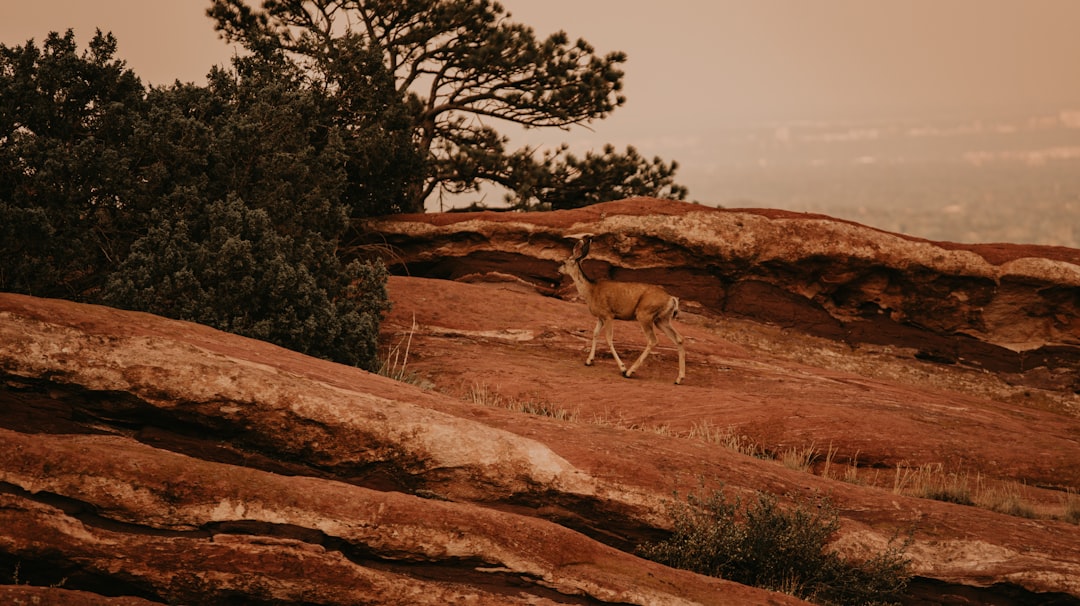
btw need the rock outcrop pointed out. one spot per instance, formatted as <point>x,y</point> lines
<point>149,461</point>
<point>165,461</point>
<point>1012,309</point>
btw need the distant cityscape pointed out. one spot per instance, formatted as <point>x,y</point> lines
<point>998,179</point>
<point>1009,180</point>
<point>1018,204</point>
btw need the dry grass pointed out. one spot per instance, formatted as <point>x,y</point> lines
<point>606,418</point>
<point>851,472</point>
<point>928,481</point>
<point>481,394</point>
<point>541,408</point>
<point>799,459</point>
<point>660,430</point>
<point>1007,498</point>
<point>1071,505</point>
<point>931,481</point>
<point>826,470</point>
<point>728,437</point>
<point>395,364</point>
<point>848,472</point>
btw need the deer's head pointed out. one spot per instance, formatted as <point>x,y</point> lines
<point>572,264</point>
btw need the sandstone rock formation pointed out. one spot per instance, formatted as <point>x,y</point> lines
<point>165,461</point>
<point>144,460</point>
<point>1012,309</point>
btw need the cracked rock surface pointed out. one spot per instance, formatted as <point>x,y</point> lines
<point>165,461</point>
<point>149,461</point>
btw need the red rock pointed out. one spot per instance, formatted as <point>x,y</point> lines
<point>1011,309</point>
<point>171,462</point>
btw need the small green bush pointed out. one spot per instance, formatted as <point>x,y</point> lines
<point>767,546</point>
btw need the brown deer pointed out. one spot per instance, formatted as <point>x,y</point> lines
<point>649,304</point>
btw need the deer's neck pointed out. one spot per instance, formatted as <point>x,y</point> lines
<point>581,281</point>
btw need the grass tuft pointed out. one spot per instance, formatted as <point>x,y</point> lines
<point>799,459</point>
<point>1007,498</point>
<point>395,364</point>
<point>481,394</point>
<point>1072,507</point>
<point>728,437</point>
<point>931,481</point>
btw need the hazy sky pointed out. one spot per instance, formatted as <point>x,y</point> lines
<point>697,67</point>
<point>720,61</point>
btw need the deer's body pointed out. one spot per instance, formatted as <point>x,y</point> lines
<point>649,304</point>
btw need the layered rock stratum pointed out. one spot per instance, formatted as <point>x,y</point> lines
<point>1012,309</point>
<point>146,460</point>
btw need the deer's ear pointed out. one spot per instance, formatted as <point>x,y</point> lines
<point>585,244</point>
<point>579,250</point>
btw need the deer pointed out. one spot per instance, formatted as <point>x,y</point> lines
<point>608,300</point>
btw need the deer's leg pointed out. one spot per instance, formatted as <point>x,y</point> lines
<point>610,333</point>
<point>676,338</point>
<point>595,334</point>
<point>650,336</point>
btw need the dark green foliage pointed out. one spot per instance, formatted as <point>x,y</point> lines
<point>229,268</point>
<point>455,68</point>
<point>245,237</point>
<point>384,166</point>
<point>220,204</point>
<point>767,546</point>
<point>563,181</point>
<point>66,121</point>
